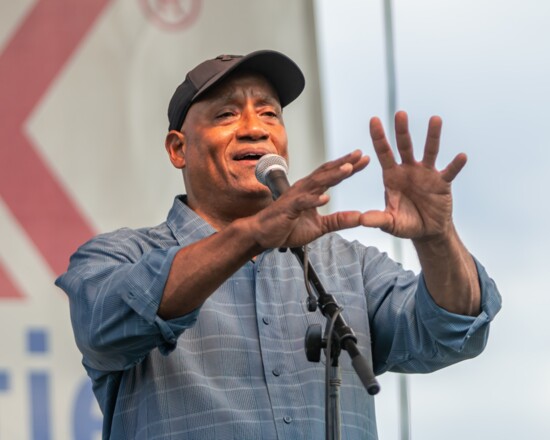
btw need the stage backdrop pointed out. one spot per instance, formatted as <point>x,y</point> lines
<point>84,87</point>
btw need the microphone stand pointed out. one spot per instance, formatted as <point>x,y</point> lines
<point>338,336</point>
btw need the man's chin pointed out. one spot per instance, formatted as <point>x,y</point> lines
<point>254,189</point>
<point>260,194</point>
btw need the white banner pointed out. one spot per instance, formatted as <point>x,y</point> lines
<point>84,89</point>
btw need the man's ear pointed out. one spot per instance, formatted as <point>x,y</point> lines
<point>175,147</point>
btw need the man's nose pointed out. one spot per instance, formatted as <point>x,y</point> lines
<point>251,127</point>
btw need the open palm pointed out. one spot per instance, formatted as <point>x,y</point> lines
<point>418,196</point>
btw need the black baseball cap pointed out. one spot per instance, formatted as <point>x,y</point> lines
<point>283,74</point>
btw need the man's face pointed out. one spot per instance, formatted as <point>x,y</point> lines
<point>225,133</point>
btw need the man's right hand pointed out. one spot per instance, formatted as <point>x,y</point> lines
<point>292,220</point>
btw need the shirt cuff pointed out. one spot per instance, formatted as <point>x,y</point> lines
<point>144,291</point>
<point>173,328</point>
<point>451,329</point>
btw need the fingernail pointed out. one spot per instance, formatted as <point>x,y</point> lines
<point>346,167</point>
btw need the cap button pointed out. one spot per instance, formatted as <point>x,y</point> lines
<point>226,57</point>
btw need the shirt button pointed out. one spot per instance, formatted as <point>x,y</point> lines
<point>287,419</point>
<point>276,372</point>
<point>265,320</point>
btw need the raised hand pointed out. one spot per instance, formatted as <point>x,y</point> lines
<point>418,196</point>
<point>293,219</point>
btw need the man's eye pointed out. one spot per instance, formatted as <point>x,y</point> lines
<point>225,115</point>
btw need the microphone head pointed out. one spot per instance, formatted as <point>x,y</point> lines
<point>267,164</point>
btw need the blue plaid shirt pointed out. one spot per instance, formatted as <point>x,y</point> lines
<point>236,368</point>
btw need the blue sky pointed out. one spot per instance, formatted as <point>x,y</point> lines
<point>483,66</point>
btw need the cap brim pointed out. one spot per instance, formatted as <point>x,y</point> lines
<point>283,73</point>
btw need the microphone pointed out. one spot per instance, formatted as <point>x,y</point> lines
<point>271,171</point>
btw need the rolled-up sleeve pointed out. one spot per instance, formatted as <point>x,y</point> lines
<point>456,331</point>
<point>410,332</point>
<point>115,287</point>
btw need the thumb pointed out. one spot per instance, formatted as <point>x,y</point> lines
<point>377,219</point>
<point>341,220</point>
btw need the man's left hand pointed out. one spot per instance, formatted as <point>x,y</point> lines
<point>418,196</point>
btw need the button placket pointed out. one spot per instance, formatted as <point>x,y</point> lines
<point>273,333</point>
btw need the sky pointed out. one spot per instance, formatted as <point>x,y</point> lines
<point>483,66</point>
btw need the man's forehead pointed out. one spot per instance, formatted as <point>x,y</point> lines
<point>240,84</point>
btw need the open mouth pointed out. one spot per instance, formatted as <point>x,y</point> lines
<point>248,156</point>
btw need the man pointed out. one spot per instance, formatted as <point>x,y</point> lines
<point>194,329</point>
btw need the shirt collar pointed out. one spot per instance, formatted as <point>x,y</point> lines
<point>186,225</point>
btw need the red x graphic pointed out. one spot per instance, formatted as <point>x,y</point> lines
<point>35,55</point>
